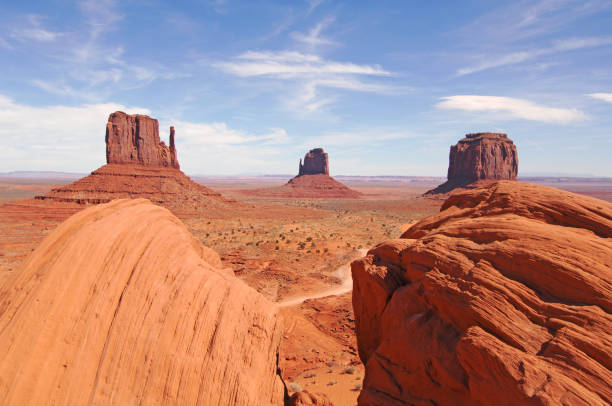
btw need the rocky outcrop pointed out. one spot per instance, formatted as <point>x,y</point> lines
<point>312,181</point>
<point>121,305</point>
<point>504,298</point>
<point>139,166</point>
<point>305,398</point>
<point>315,162</point>
<point>167,187</point>
<point>480,157</point>
<point>134,139</point>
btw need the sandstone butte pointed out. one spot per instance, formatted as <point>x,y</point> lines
<point>480,158</point>
<point>312,181</point>
<point>122,305</point>
<point>503,298</point>
<point>139,165</point>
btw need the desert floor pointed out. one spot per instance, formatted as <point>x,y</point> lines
<point>298,257</point>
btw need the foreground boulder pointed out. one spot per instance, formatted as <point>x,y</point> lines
<point>504,298</point>
<point>480,157</point>
<point>121,305</point>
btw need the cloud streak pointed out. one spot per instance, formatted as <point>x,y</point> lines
<point>310,73</point>
<point>511,107</point>
<point>566,45</point>
<point>607,97</point>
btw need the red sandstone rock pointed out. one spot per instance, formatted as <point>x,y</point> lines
<point>134,139</point>
<point>315,162</point>
<point>480,157</point>
<point>305,398</point>
<point>308,187</point>
<point>122,305</point>
<point>139,166</point>
<point>504,298</point>
<point>312,181</point>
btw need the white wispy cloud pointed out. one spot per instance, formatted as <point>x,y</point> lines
<point>607,97</point>
<point>308,73</point>
<point>313,4</point>
<point>32,30</point>
<point>45,137</point>
<point>207,134</point>
<point>566,45</point>
<point>290,64</point>
<point>511,107</point>
<point>523,19</point>
<point>314,36</point>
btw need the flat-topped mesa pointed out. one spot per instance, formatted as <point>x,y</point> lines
<point>480,157</point>
<point>134,139</point>
<point>315,162</point>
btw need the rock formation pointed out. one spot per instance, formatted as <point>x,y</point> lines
<point>312,181</point>
<point>139,166</point>
<point>134,139</point>
<point>122,305</point>
<point>480,157</point>
<point>504,297</point>
<point>305,398</point>
<point>315,162</point>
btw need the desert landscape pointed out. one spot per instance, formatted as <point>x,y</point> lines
<point>320,204</point>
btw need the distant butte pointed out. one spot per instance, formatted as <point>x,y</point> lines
<point>312,181</point>
<point>478,158</point>
<point>139,165</point>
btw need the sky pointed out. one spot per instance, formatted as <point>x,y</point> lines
<point>385,87</point>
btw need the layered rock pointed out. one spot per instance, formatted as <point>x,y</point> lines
<point>134,139</point>
<point>316,162</point>
<point>121,305</point>
<point>139,166</point>
<point>480,157</point>
<point>312,181</point>
<point>503,297</point>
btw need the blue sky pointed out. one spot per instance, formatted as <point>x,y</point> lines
<point>384,86</point>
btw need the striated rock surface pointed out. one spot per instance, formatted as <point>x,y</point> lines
<point>305,398</point>
<point>315,162</point>
<point>134,139</point>
<point>504,298</point>
<point>480,157</point>
<point>121,305</point>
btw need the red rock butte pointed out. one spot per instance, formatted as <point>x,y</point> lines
<point>139,165</point>
<point>480,157</point>
<point>504,297</point>
<point>122,305</point>
<point>316,162</point>
<point>312,181</point>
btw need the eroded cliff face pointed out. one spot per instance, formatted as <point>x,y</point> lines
<point>480,157</point>
<point>504,298</point>
<point>134,139</point>
<point>316,162</point>
<point>121,305</point>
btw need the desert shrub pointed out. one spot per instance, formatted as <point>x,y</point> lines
<point>276,248</point>
<point>294,387</point>
<point>331,383</point>
<point>349,370</point>
<point>310,375</point>
<point>309,239</point>
<point>357,387</point>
